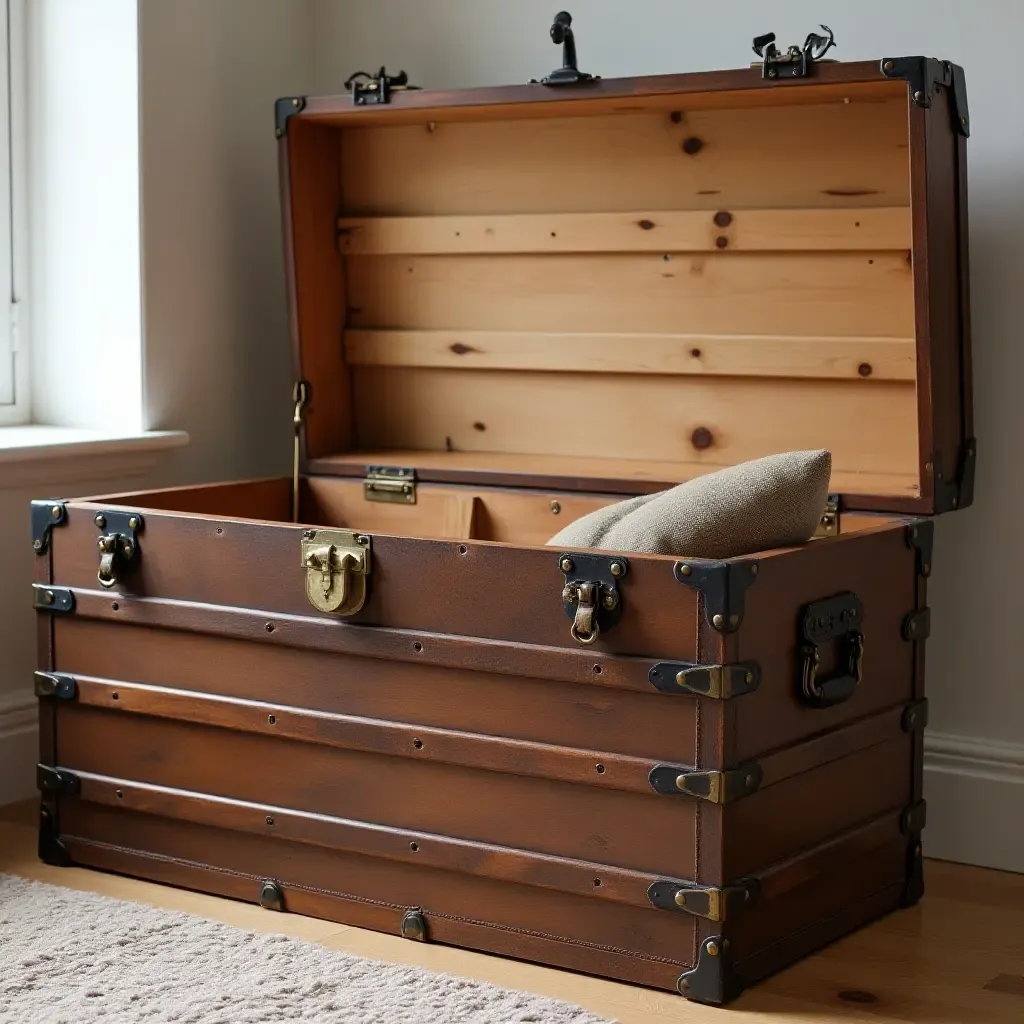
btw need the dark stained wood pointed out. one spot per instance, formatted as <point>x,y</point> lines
<point>642,833</point>
<point>518,910</point>
<point>518,707</point>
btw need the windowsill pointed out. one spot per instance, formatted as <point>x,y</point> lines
<point>41,455</point>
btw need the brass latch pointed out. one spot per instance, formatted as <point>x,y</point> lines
<point>390,483</point>
<point>591,595</point>
<point>704,901</point>
<point>337,564</point>
<point>829,525</point>
<point>118,544</point>
<point>717,787</point>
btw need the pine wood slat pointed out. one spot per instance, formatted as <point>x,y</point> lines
<point>620,353</point>
<point>646,231</point>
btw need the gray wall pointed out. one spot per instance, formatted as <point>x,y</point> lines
<point>975,777</point>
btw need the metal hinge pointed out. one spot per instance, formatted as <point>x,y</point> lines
<point>703,901</point>
<point>717,787</point>
<point>797,61</point>
<point>369,90</point>
<point>56,780</point>
<point>390,483</point>
<point>829,525</point>
<point>923,75</point>
<point>719,682</point>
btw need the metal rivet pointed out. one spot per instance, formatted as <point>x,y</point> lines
<point>680,679</point>
<point>55,512</point>
<point>754,569</point>
<point>100,520</point>
<point>609,601</point>
<point>718,621</point>
<point>617,568</point>
<point>566,565</point>
<point>270,820</point>
<point>954,503</point>
<point>749,677</point>
<point>134,522</point>
<point>712,948</point>
<point>918,96</point>
<point>748,781</point>
<point>889,65</point>
<point>37,545</point>
<point>681,898</point>
<point>127,550</point>
<point>295,103</point>
<point>686,570</point>
<point>681,782</point>
<point>279,133</point>
<point>556,507</point>
<point>684,985</point>
<point>926,568</point>
<point>48,597</point>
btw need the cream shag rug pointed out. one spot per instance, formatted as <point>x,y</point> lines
<point>70,957</point>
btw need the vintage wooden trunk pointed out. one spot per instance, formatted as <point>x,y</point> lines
<point>511,306</point>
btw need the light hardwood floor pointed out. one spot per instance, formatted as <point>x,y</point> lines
<point>958,958</point>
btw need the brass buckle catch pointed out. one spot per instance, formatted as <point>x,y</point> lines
<point>337,564</point>
<point>117,543</point>
<point>836,618</point>
<point>591,595</point>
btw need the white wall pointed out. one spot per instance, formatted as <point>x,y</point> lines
<point>216,342</point>
<point>975,779</point>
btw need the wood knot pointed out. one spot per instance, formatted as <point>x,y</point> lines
<point>692,146</point>
<point>479,426</point>
<point>696,353</point>
<point>723,219</point>
<point>721,242</point>
<point>858,996</point>
<point>864,369</point>
<point>460,350</point>
<point>702,438</point>
<point>676,116</point>
<point>645,224</point>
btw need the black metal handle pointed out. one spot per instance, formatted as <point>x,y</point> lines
<point>562,35</point>
<point>833,619</point>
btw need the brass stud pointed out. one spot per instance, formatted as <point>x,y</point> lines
<point>889,65</point>
<point>609,601</point>
<point>37,544</point>
<point>680,679</point>
<point>712,948</point>
<point>617,569</point>
<point>566,565</point>
<point>718,622</point>
<point>127,550</point>
<point>918,96</point>
<point>686,570</point>
<point>754,569</point>
<point>681,898</point>
<point>55,512</point>
<point>748,781</point>
<point>926,568</point>
<point>556,507</point>
<point>100,520</point>
<point>684,985</point>
<point>48,597</point>
<point>748,678</point>
<point>295,103</point>
<point>134,522</point>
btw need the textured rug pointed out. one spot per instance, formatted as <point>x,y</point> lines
<point>70,957</point>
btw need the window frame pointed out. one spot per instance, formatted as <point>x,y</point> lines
<point>15,393</point>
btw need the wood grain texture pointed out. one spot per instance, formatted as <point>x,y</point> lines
<point>637,353</point>
<point>867,429</point>
<point>634,160</point>
<point>659,231</point>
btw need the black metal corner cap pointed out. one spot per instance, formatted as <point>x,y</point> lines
<point>46,514</point>
<point>723,586</point>
<point>922,74</point>
<point>284,109</point>
<point>713,980</point>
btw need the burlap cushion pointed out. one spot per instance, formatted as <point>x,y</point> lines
<point>768,503</point>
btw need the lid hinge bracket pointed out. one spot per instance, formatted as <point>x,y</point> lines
<point>390,483</point>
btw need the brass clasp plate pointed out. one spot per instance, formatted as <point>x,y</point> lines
<point>337,564</point>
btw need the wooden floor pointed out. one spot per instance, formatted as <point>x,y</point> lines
<point>958,958</point>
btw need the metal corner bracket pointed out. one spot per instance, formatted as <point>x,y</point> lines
<point>58,600</point>
<point>285,109</point>
<point>51,849</point>
<point>56,780</point>
<point>716,787</point>
<point>959,491</point>
<point>923,75</point>
<point>921,535</point>
<point>46,514</point>
<point>55,685</point>
<point>713,978</point>
<point>723,586</point>
<point>719,682</point>
<point>709,902</point>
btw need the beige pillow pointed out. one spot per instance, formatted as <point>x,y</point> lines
<point>768,503</point>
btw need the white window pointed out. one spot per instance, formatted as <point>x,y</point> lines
<point>14,398</point>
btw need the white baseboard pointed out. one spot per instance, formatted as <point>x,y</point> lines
<point>19,746</point>
<point>974,788</point>
<point>975,794</point>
